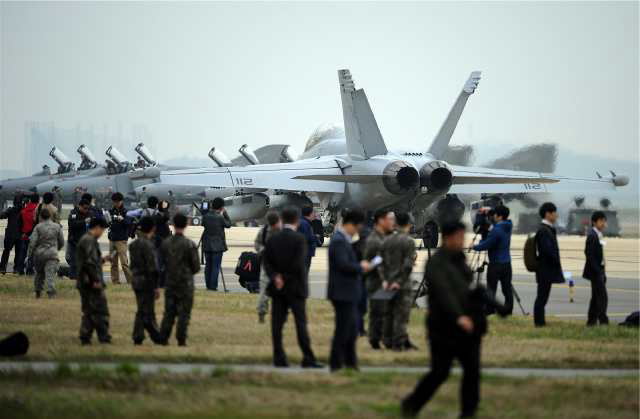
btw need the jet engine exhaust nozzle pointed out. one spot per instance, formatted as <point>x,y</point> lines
<point>436,176</point>
<point>399,177</point>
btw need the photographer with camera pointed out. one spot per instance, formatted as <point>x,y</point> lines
<point>498,242</point>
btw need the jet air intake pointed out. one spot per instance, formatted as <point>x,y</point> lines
<point>400,177</point>
<point>144,152</point>
<point>436,176</point>
<point>219,157</point>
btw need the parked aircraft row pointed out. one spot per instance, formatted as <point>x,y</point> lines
<point>337,171</point>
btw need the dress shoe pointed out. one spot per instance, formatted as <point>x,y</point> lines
<point>313,364</point>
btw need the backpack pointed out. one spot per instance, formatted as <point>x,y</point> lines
<point>632,320</point>
<point>530,253</point>
<point>248,268</point>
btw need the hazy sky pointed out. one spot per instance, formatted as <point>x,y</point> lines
<point>205,74</point>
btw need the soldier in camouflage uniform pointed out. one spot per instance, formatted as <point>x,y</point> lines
<point>384,223</point>
<point>398,257</point>
<point>46,240</point>
<point>145,273</point>
<point>181,261</point>
<point>90,284</point>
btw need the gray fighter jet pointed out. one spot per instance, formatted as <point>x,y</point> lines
<point>370,176</point>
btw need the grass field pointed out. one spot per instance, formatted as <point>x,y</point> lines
<point>224,329</point>
<point>91,393</point>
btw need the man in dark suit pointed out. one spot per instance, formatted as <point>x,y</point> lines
<point>549,267</point>
<point>345,289</point>
<point>306,230</point>
<point>284,262</point>
<point>214,242</point>
<point>594,271</point>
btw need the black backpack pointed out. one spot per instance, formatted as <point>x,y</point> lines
<point>248,268</point>
<point>632,320</point>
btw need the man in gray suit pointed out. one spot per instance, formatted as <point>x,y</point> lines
<point>214,242</point>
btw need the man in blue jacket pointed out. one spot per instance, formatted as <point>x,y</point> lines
<point>498,243</point>
<point>306,230</point>
<point>344,290</point>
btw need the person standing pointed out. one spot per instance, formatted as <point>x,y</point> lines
<point>47,239</point>
<point>594,270</point>
<point>284,261</point>
<point>90,283</point>
<point>272,226</point>
<point>344,290</point>
<point>57,199</point>
<point>145,273</point>
<point>306,230</point>
<point>398,257</point>
<point>94,211</point>
<point>12,235</point>
<point>118,237</point>
<point>47,202</point>
<point>498,244</point>
<point>27,223</point>
<point>181,261</point>
<point>384,223</point>
<point>451,329</point>
<point>214,242</point>
<point>79,218</point>
<point>549,269</point>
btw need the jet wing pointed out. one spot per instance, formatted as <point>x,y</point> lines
<point>474,180</point>
<point>295,177</point>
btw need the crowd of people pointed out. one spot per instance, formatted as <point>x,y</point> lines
<point>369,270</point>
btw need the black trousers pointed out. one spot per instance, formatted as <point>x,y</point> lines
<point>145,316</point>
<point>443,353</point>
<point>542,297</point>
<point>501,273</point>
<point>599,302</point>
<point>343,345</point>
<point>10,244</point>
<point>279,312</point>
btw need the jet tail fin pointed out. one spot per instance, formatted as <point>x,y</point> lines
<point>441,141</point>
<point>361,129</point>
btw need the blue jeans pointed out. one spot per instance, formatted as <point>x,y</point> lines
<point>212,264</point>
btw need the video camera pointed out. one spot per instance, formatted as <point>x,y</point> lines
<point>482,214</point>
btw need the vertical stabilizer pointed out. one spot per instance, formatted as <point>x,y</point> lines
<point>361,129</point>
<point>440,143</point>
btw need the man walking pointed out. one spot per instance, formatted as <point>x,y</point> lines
<point>398,257</point>
<point>306,230</point>
<point>284,261</point>
<point>272,226</point>
<point>214,242</point>
<point>145,273</point>
<point>90,283</point>
<point>594,270</point>
<point>384,223</point>
<point>47,239</point>
<point>77,222</point>
<point>549,269</point>
<point>118,237</point>
<point>498,243</point>
<point>452,332</point>
<point>181,261</point>
<point>344,290</point>
<point>12,235</point>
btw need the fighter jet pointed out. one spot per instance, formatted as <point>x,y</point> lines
<point>66,169</point>
<point>370,176</point>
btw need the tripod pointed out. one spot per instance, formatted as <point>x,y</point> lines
<point>423,288</point>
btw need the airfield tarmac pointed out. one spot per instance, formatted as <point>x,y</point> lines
<point>622,256</point>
